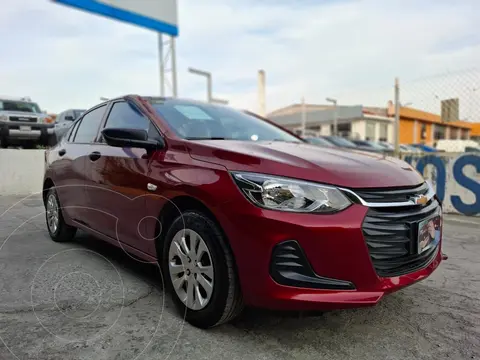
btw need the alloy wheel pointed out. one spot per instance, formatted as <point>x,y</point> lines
<point>191,269</point>
<point>52,213</point>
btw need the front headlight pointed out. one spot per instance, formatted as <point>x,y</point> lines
<point>278,193</point>
<point>45,120</point>
<point>3,117</point>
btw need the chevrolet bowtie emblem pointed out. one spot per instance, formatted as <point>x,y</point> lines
<point>420,200</point>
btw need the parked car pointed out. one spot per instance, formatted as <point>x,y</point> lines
<point>22,123</point>
<point>64,120</point>
<point>371,146</point>
<point>319,141</point>
<point>340,141</point>
<point>238,211</point>
<point>409,149</point>
<point>424,148</point>
<point>457,146</point>
<point>348,144</point>
<point>386,145</point>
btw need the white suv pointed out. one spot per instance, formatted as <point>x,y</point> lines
<point>23,123</point>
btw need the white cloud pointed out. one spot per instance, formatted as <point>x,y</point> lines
<point>350,49</point>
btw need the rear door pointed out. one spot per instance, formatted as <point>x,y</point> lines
<point>69,170</point>
<point>118,181</point>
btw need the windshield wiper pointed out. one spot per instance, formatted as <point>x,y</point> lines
<point>206,138</point>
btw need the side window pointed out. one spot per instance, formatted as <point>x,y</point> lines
<point>60,117</point>
<point>68,116</point>
<point>88,128</point>
<point>71,132</point>
<point>124,115</point>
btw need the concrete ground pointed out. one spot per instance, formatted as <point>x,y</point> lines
<point>89,300</point>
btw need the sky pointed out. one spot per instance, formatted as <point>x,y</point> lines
<point>351,50</point>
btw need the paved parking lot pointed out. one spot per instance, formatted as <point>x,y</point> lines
<point>89,300</point>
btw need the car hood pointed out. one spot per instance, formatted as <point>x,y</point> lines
<point>347,168</point>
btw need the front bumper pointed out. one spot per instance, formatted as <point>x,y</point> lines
<point>13,130</point>
<point>334,247</point>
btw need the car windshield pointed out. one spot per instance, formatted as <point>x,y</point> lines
<point>472,149</point>
<point>198,121</point>
<point>77,113</point>
<point>387,145</point>
<point>339,141</point>
<point>375,145</point>
<point>361,143</point>
<point>319,141</point>
<point>24,106</point>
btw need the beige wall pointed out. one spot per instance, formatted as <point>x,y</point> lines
<point>391,133</point>
<point>325,130</point>
<point>358,128</point>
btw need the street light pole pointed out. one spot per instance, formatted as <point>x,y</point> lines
<point>209,81</point>
<point>397,117</point>
<point>335,115</point>
<point>304,117</point>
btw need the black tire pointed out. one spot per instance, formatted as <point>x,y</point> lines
<point>52,141</point>
<point>29,145</point>
<point>63,232</point>
<point>226,301</point>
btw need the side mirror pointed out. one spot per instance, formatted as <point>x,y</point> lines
<point>134,138</point>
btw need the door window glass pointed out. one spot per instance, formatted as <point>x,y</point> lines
<point>88,128</point>
<point>71,132</point>
<point>124,115</point>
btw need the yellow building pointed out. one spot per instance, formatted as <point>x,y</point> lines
<point>475,133</point>
<point>417,126</point>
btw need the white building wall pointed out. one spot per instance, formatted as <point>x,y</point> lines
<point>391,133</point>
<point>377,131</point>
<point>359,128</point>
<point>325,130</point>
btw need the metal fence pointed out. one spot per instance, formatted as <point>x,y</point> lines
<point>443,104</point>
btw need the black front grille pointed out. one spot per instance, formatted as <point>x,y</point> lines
<point>23,119</point>
<point>391,195</point>
<point>391,237</point>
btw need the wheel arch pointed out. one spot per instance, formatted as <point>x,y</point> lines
<point>172,209</point>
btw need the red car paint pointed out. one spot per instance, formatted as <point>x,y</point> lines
<point>109,198</point>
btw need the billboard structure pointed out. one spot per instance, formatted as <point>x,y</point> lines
<point>158,15</point>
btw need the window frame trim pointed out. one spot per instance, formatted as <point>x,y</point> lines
<point>98,139</point>
<point>106,105</point>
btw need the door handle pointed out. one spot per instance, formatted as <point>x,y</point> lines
<point>94,156</point>
<point>62,152</point>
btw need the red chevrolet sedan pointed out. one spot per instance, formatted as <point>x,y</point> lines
<point>238,211</point>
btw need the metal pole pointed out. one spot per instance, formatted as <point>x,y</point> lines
<point>162,64</point>
<point>174,67</point>
<point>209,88</point>
<point>335,115</point>
<point>397,117</point>
<point>304,117</point>
<point>261,93</point>
<point>209,81</point>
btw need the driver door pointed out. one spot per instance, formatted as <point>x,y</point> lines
<point>117,182</point>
